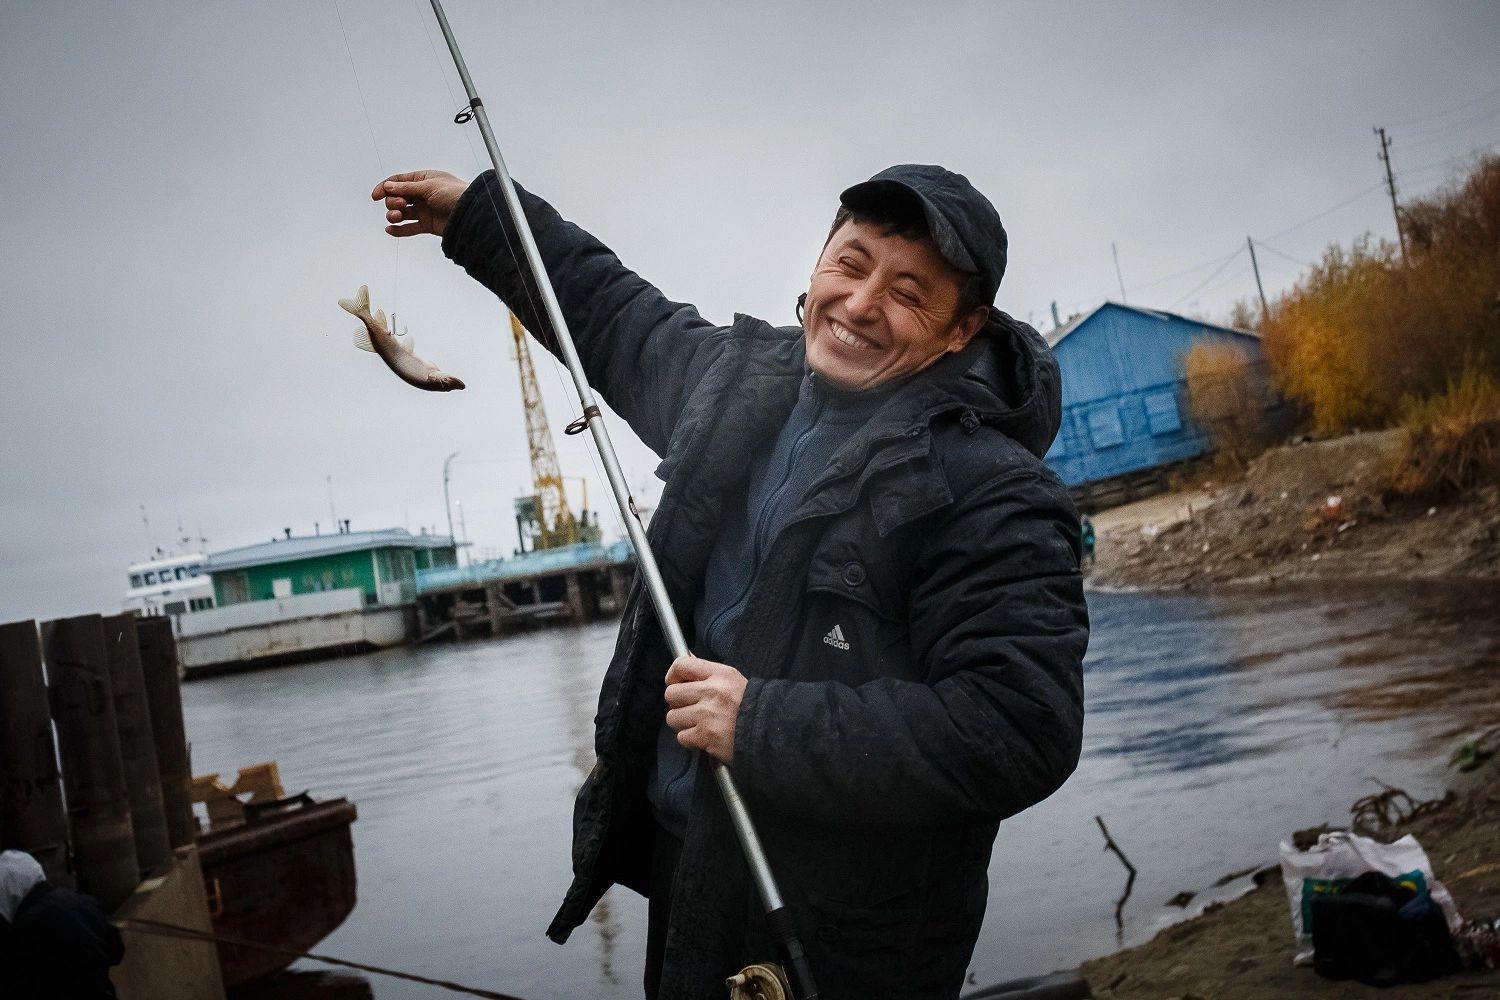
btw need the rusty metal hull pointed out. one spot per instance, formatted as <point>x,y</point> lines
<point>284,879</point>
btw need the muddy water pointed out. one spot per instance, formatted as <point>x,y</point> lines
<point>1216,725</point>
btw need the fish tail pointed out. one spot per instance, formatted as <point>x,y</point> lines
<point>359,305</point>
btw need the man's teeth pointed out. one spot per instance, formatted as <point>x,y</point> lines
<point>844,336</point>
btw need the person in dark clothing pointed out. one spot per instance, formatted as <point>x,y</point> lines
<point>880,574</point>
<point>55,944</point>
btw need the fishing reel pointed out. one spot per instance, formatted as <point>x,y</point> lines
<point>761,981</point>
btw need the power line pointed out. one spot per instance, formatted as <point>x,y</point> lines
<point>1451,111</point>
<point>1265,246</point>
<point>1449,161</point>
<point>1445,137</point>
<point>1328,211</point>
<point>1206,280</point>
<point>1178,274</point>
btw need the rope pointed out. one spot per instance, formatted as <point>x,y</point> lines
<point>141,925</point>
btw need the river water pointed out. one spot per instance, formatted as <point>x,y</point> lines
<point>1216,725</point>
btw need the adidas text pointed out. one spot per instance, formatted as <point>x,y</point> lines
<point>835,638</point>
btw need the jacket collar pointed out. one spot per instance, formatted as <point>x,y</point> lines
<point>1006,378</point>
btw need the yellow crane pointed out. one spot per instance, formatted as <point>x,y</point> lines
<point>544,518</point>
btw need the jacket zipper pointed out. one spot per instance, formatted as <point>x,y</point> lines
<point>758,537</point>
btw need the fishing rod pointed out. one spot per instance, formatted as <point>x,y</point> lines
<point>778,915</point>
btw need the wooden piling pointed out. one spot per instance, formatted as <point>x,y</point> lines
<point>164,697</point>
<point>619,587</point>
<point>31,803</point>
<point>89,749</point>
<point>148,820</point>
<point>575,598</point>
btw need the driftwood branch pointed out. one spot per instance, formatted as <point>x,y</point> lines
<point>1110,845</point>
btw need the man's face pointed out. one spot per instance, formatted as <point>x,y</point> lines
<point>880,307</point>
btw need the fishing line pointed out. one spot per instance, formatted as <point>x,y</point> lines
<point>141,925</point>
<point>555,366</point>
<point>379,160</point>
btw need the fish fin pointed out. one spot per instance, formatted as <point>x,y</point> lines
<point>362,340</point>
<point>380,320</point>
<point>408,344</point>
<point>360,304</point>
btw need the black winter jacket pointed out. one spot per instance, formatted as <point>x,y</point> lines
<point>938,543</point>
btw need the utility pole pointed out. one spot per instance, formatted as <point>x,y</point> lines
<point>1390,186</point>
<point>1118,277</point>
<point>1265,310</point>
<point>448,507</point>
<point>332,511</point>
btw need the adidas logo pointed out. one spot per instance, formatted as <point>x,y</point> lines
<point>835,638</point>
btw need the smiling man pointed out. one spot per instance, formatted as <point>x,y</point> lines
<point>879,573</point>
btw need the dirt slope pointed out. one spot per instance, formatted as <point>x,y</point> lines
<point>1277,523</point>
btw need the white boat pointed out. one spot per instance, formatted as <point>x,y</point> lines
<point>171,585</point>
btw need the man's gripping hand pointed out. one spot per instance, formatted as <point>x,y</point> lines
<point>419,202</point>
<point>704,700</point>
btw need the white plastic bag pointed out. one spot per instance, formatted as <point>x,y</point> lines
<point>1338,857</point>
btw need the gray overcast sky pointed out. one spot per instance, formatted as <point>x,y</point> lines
<point>188,200</point>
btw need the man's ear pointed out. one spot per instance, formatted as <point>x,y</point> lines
<point>967,328</point>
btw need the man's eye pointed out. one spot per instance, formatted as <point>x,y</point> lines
<point>906,298</point>
<point>850,265</point>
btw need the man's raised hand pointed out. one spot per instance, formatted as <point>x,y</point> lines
<point>421,201</point>
<point>703,698</point>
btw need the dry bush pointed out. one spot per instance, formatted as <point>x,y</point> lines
<point>1244,315</point>
<point>1365,331</point>
<point>1455,437</point>
<point>1222,398</point>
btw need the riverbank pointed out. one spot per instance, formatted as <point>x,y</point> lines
<point>1242,950</point>
<point>1310,511</point>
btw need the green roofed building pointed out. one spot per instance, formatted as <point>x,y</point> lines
<point>382,564</point>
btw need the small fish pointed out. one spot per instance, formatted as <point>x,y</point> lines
<point>396,353</point>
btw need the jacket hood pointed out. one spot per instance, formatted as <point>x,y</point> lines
<point>19,874</point>
<point>1008,379</point>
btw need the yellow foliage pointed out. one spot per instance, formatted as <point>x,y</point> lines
<point>1365,330</point>
<point>1222,398</point>
<point>1455,435</point>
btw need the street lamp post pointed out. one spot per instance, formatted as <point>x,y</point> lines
<point>448,507</point>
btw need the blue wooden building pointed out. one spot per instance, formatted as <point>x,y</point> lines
<point>1125,414</point>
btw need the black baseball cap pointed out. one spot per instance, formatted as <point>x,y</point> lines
<point>963,222</point>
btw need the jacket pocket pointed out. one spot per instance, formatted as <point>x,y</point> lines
<point>855,629</point>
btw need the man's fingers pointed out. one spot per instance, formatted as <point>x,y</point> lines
<point>407,229</point>
<point>411,176</point>
<point>688,693</point>
<point>690,668</point>
<point>686,717</point>
<point>410,190</point>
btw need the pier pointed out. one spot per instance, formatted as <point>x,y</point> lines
<point>573,583</point>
